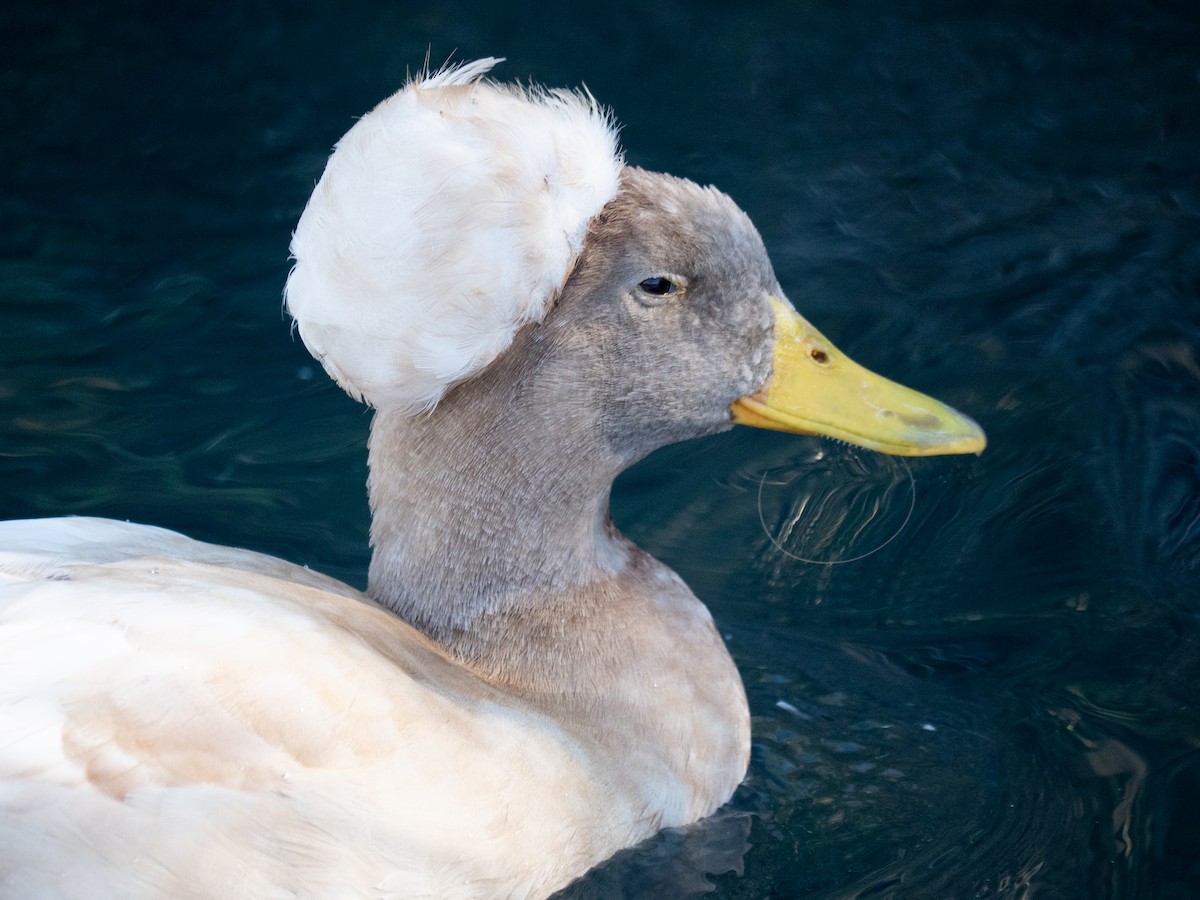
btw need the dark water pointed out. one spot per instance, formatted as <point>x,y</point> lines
<point>996,203</point>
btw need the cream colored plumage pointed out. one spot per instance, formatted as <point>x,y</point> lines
<point>521,692</point>
<point>154,749</point>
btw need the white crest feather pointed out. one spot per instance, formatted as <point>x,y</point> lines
<point>447,217</point>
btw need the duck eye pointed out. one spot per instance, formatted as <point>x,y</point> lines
<point>658,286</point>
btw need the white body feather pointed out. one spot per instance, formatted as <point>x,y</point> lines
<point>447,217</point>
<point>255,729</point>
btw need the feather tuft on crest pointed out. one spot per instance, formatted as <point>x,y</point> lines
<point>447,217</point>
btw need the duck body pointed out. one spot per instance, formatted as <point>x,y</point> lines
<point>520,692</point>
<point>187,720</point>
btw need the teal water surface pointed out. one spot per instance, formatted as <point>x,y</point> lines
<point>998,204</point>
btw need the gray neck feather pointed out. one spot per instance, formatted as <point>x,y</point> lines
<point>497,498</point>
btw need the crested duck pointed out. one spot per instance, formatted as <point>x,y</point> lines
<point>521,691</point>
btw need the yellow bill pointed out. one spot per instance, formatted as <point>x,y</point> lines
<point>815,389</point>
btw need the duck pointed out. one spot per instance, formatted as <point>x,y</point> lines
<point>520,692</point>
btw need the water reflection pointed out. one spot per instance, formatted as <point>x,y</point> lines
<point>833,508</point>
<point>1149,466</point>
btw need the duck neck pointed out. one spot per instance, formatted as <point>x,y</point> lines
<point>484,507</point>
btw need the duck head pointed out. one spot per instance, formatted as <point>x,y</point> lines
<point>673,325</point>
